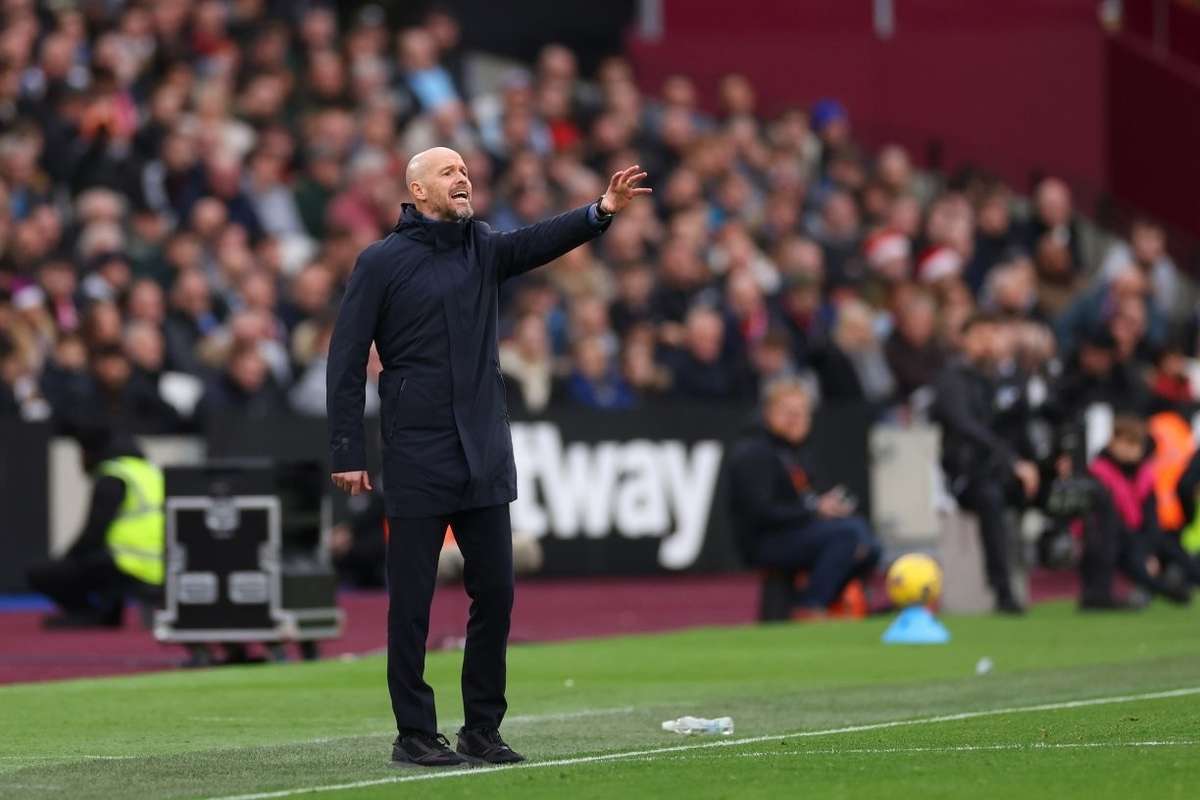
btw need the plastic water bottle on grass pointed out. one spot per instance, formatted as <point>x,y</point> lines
<point>689,725</point>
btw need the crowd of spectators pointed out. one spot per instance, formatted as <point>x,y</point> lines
<point>185,186</point>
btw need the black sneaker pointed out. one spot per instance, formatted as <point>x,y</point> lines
<point>1008,605</point>
<point>485,746</point>
<point>425,750</point>
<point>1105,603</point>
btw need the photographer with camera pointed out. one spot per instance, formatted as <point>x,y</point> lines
<point>1116,503</point>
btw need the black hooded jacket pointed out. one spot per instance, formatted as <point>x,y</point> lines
<point>427,295</point>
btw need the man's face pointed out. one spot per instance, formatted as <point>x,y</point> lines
<point>978,343</point>
<point>443,190</point>
<point>789,416</point>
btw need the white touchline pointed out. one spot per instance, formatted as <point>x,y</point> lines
<point>965,748</point>
<point>632,754</point>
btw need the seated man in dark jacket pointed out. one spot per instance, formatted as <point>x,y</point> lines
<point>985,473</point>
<point>786,518</point>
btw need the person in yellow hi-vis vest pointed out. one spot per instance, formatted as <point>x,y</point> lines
<point>119,552</point>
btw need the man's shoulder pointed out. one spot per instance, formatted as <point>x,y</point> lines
<point>750,444</point>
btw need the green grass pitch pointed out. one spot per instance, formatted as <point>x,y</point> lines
<point>1090,706</point>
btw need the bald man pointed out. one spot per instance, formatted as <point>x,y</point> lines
<point>426,295</point>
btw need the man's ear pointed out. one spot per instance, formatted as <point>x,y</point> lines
<point>416,190</point>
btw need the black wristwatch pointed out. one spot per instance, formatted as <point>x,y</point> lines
<point>601,214</point>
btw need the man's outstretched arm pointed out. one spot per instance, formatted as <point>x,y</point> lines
<point>521,250</point>
<point>346,373</point>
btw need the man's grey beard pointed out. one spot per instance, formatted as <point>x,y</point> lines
<point>463,214</point>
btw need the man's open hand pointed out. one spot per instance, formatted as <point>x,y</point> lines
<point>356,482</point>
<point>623,187</point>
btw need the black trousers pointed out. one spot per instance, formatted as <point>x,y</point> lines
<point>85,584</point>
<point>988,499</point>
<point>834,551</point>
<point>484,536</point>
<point>1108,546</point>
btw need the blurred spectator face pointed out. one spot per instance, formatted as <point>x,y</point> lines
<point>637,364</point>
<point>1148,242</point>
<point>111,369</point>
<point>116,272</point>
<point>704,335</point>
<point>904,215</point>
<point>782,214</point>
<point>951,223</point>
<point>790,131</point>
<point>100,205</point>
<point>1052,203</point>
<point>444,29</point>
<point>146,302</point>
<point>683,189</point>
<point>183,252</point>
<point>58,280</point>
<point>589,317</point>
<point>318,27</point>
<point>613,70</point>
<point>224,175</point>
<point>144,347</point>
<point>1095,360</point>
<point>418,51</point>
<point>247,369</point>
<point>1130,283</point>
<point>1053,257</point>
<point>1128,444</point>
<point>208,218</point>
<point>771,355</point>
<point>854,331</point>
<point>326,74</point>
<point>788,414</point>
<point>70,353</point>
<point>894,168</point>
<point>1014,287</point>
<point>103,324</point>
<point>916,321</point>
<point>531,339</point>
<point>840,216</point>
<point>798,256</point>
<point>556,63</point>
<point>258,292</point>
<point>635,284</point>
<point>993,217</point>
<point>1128,326</point>
<point>681,266</point>
<point>178,152</point>
<point>591,358</point>
<point>190,294</point>
<point>678,91</point>
<point>736,95</point>
<point>802,297</point>
<point>249,326</point>
<point>743,295</point>
<point>677,130</point>
<point>975,341</point>
<point>312,289</point>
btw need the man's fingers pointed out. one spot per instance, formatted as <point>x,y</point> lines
<point>367,481</point>
<point>642,190</point>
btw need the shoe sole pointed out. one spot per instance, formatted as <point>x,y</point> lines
<point>410,764</point>
<point>481,762</point>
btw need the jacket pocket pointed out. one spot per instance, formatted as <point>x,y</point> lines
<point>390,413</point>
